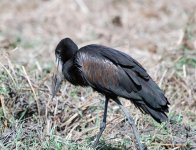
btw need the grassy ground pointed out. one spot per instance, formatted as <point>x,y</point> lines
<point>159,34</point>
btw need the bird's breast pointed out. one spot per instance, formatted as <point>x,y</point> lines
<point>73,74</point>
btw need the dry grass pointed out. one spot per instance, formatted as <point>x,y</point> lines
<point>159,34</point>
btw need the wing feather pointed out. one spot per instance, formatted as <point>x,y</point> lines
<point>104,76</point>
<point>112,72</point>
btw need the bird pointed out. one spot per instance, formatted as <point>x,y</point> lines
<point>115,75</point>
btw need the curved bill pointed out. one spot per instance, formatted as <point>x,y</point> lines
<point>57,80</point>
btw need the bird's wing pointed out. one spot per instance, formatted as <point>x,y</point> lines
<point>133,68</point>
<point>124,60</point>
<point>105,76</point>
<point>114,72</point>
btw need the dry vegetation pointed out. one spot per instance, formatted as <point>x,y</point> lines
<point>161,35</point>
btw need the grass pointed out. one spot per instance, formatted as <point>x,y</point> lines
<point>71,120</point>
<point>64,125</point>
<point>17,40</point>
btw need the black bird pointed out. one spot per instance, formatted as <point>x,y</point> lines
<point>113,74</point>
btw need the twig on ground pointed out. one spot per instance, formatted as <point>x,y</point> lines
<point>69,135</point>
<point>8,72</point>
<point>162,77</point>
<point>3,106</point>
<point>34,94</point>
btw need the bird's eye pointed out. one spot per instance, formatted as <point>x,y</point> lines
<point>58,53</point>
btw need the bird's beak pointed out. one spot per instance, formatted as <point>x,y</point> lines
<point>57,80</point>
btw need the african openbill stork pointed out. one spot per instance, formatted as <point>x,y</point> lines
<point>113,74</point>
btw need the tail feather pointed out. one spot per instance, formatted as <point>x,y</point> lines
<point>149,98</point>
<point>159,116</point>
<point>154,101</point>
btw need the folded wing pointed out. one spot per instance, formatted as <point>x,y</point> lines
<point>114,73</point>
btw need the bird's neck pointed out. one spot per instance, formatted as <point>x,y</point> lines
<point>67,70</point>
<point>67,55</point>
<point>72,74</point>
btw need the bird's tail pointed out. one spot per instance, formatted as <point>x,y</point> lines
<point>153,101</point>
<point>158,115</point>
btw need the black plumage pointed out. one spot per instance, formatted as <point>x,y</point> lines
<point>114,74</point>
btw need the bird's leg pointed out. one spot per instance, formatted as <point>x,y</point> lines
<point>131,122</point>
<point>103,123</point>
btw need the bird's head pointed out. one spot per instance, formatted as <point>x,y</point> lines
<point>65,49</point>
